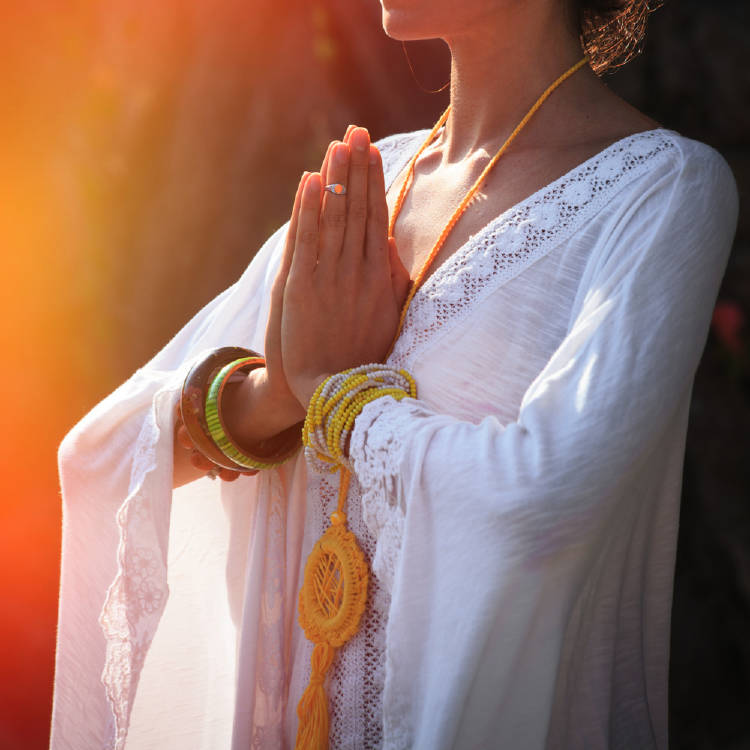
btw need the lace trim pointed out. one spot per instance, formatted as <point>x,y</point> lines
<point>376,451</point>
<point>273,665</point>
<point>521,236</point>
<point>136,598</point>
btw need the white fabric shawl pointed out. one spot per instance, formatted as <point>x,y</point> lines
<point>521,515</point>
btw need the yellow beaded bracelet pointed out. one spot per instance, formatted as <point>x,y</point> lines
<point>339,399</point>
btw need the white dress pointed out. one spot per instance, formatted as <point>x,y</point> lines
<point>520,516</point>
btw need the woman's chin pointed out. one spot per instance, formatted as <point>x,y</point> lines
<point>401,25</point>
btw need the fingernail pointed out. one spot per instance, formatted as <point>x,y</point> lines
<point>373,155</point>
<point>360,139</point>
<point>341,154</point>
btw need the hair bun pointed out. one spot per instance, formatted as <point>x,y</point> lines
<point>612,31</point>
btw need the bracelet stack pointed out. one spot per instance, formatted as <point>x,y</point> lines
<point>338,401</point>
<point>200,409</point>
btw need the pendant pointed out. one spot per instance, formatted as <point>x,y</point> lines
<point>334,588</point>
<point>331,603</point>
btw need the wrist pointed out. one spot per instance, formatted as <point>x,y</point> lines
<point>336,404</point>
<point>254,411</point>
<point>305,387</point>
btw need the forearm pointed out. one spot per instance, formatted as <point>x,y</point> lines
<point>254,411</point>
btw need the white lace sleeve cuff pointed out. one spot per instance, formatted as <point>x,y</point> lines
<point>376,453</point>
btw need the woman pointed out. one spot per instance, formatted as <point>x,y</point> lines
<point>519,516</point>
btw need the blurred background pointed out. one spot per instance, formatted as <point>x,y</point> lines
<point>147,150</point>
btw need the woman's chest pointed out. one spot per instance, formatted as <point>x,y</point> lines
<point>432,214</point>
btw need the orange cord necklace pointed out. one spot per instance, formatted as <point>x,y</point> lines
<point>334,589</point>
<point>419,279</point>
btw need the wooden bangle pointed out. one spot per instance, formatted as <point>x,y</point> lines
<point>193,402</point>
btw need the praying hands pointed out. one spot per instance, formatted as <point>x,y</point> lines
<point>343,282</point>
<point>335,301</point>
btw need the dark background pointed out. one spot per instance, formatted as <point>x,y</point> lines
<point>147,150</point>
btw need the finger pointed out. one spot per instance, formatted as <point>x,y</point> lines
<point>228,475</point>
<point>326,162</point>
<point>277,290</point>
<point>329,151</point>
<point>184,439</point>
<point>275,313</point>
<point>291,235</point>
<point>376,243</point>
<point>201,462</point>
<point>306,245</point>
<point>356,197</point>
<point>346,139</point>
<point>333,211</point>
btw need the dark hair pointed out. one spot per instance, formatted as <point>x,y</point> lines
<point>612,30</point>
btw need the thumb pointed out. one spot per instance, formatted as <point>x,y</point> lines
<point>400,278</point>
<point>273,326</point>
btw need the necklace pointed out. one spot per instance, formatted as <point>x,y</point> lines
<point>334,589</point>
<point>420,277</point>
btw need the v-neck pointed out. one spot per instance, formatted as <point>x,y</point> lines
<point>531,198</point>
<point>519,236</point>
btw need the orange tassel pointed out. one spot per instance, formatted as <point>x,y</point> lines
<point>312,710</point>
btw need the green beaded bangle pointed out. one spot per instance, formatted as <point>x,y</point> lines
<point>217,429</point>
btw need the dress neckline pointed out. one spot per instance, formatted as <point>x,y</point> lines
<point>498,220</point>
<point>521,235</point>
<point>615,145</point>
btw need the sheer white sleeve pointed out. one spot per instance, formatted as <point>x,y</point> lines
<point>116,477</point>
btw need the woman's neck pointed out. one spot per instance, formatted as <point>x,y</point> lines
<point>497,76</point>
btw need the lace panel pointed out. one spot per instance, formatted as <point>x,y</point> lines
<point>376,450</point>
<point>272,647</point>
<point>137,597</point>
<point>356,677</point>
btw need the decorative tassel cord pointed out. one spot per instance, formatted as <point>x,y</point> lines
<point>334,590</point>
<point>312,710</point>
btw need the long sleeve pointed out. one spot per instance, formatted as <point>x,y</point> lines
<point>119,454</point>
<point>488,525</point>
